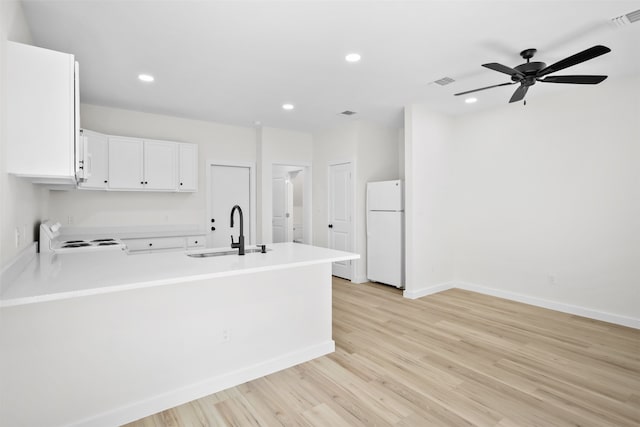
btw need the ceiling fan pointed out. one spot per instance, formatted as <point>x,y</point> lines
<point>529,73</point>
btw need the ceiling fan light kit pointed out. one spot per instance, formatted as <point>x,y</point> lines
<point>529,73</point>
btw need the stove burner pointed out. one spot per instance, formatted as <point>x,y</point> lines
<point>76,245</point>
<point>103,240</point>
<point>74,241</point>
<point>106,243</point>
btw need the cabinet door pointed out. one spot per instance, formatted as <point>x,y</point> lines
<point>125,163</point>
<point>188,169</point>
<point>40,102</point>
<point>96,160</point>
<point>160,165</point>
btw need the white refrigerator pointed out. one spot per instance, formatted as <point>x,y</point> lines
<point>385,232</point>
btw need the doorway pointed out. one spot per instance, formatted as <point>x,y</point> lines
<point>340,215</point>
<point>230,184</point>
<point>291,203</point>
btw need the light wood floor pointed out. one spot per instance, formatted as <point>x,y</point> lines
<point>454,358</point>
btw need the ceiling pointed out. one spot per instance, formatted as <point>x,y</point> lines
<point>237,62</point>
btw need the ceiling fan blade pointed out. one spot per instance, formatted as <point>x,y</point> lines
<point>503,69</point>
<point>579,80</point>
<point>579,57</point>
<point>519,94</point>
<point>483,88</point>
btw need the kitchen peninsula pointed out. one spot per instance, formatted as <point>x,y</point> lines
<point>106,339</point>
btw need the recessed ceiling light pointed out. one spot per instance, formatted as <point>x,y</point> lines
<point>352,57</point>
<point>287,107</point>
<point>471,100</point>
<point>146,77</point>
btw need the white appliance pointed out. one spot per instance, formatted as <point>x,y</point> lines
<point>50,241</point>
<point>385,232</point>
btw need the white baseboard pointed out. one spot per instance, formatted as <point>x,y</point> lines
<point>631,322</point>
<point>359,279</point>
<point>209,386</point>
<point>553,305</point>
<point>423,292</point>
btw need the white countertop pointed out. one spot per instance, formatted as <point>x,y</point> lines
<point>52,277</point>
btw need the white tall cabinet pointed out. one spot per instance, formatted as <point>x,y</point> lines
<point>42,114</point>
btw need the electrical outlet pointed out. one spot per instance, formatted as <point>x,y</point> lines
<point>553,280</point>
<point>17,237</point>
<point>70,220</point>
<point>226,335</point>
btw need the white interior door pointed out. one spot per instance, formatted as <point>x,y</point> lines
<point>340,205</point>
<point>279,205</point>
<point>229,186</point>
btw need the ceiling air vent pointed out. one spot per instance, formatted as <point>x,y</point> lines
<point>444,81</point>
<point>634,16</point>
<point>629,18</point>
<point>348,113</point>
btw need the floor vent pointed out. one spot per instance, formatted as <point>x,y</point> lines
<point>444,81</point>
<point>629,18</point>
<point>348,113</point>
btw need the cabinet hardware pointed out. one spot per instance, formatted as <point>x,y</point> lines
<point>213,229</point>
<point>150,244</point>
<point>330,225</point>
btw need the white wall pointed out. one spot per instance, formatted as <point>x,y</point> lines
<point>298,189</point>
<point>337,144</point>
<point>99,208</point>
<point>373,151</point>
<point>23,205</point>
<point>377,150</point>
<point>428,203</point>
<point>284,147</point>
<point>401,153</point>
<point>548,197</point>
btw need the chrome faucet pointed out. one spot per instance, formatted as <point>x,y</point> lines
<point>240,243</point>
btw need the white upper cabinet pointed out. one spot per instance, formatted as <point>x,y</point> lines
<point>160,165</point>
<point>42,114</point>
<point>188,155</point>
<point>120,163</point>
<point>126,163</point>
<point>95,160</point>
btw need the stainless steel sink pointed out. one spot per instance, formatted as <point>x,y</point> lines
<point>225,253</point>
